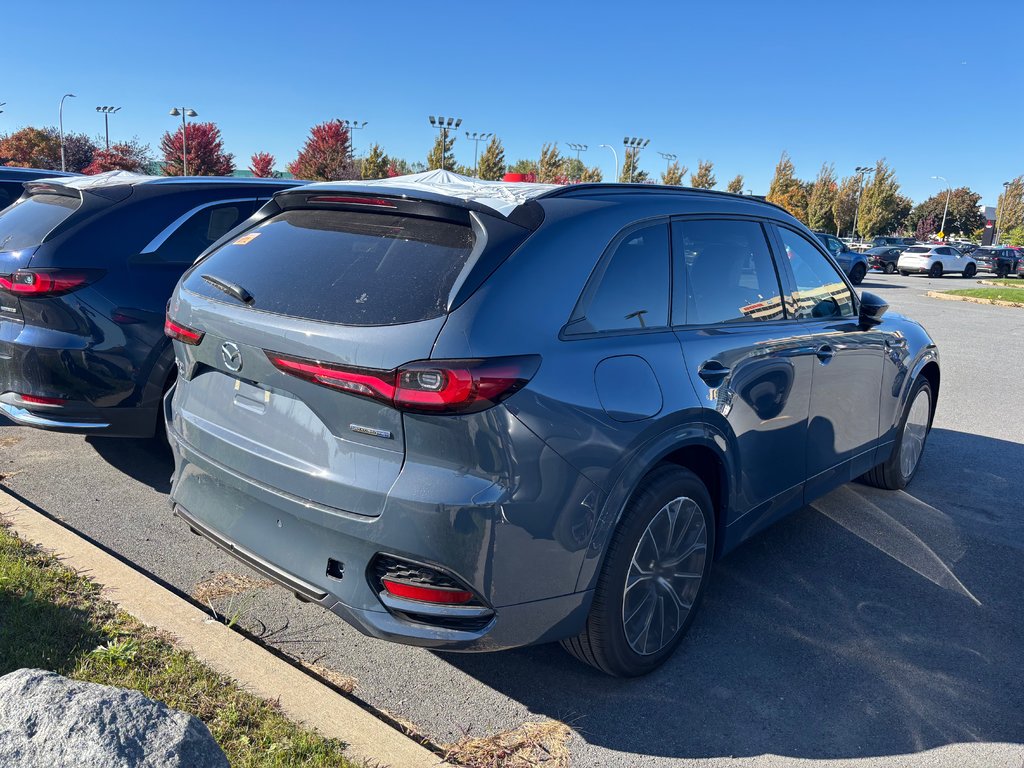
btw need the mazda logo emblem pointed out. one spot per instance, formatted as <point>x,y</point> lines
<point>231,355</point>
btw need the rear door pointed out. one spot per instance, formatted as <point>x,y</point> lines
<point>323,287</point>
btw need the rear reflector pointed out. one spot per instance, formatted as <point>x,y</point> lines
<point>428,386</point>
<point>36,400</point>
<point>352,200</point>
<point>50,282</point>
<point>427,594</point>
<point>182,333</point>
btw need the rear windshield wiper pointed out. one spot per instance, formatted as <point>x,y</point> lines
<point>231,289</point>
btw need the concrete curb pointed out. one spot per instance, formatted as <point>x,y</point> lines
<point>301,697</point>
<point>975,300</point>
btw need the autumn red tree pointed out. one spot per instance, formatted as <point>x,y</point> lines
<point>206,155</point>
<point>326,155</point>
<point>125,156</point>
<point>40,148</point>
<point>262,165</point>
<point>393,170</point>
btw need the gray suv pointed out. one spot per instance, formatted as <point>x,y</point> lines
<point>472,416</point>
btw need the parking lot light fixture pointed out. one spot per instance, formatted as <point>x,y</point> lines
<point>477,138</point>
<point>999,209</point>
<point>860,171</point>
<point>616,155</point>
<point>444,124</point>
<point>60,122</point>
<point>107,112</point>
<point>669,159</point>
<point>184,112</point>
<point>949,190</point>
<point>353,125</point>
<point>577,148</point>
<point>634,144</point>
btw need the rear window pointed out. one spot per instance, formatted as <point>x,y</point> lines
<point>26,223</point>
<point>918,249</point>
<point>342,267</point>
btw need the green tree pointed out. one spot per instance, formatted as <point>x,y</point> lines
<point>492,162</point>
<point>630,172</point>
<point>375,164</point>
<point>844,207</point>
<point>673,175</point>
<point>437,160</point>
<point>574,169</point>
<point>879,207</point>
<point>523,166</point>
<point>1009,210</point>
<point>551,165</point>
<point>787,190</point>
<point>821,199</point>
<point>704,178</point>
<point>592,175</point>
<point>1014,237</point>
<point>736,185</point>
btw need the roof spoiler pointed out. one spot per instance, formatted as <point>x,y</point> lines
<point>116,192</point>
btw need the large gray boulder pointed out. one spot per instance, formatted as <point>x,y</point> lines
<point>48,721</point>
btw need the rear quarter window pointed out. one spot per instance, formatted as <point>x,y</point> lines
<point>28,222</point>
<point>344,267</point>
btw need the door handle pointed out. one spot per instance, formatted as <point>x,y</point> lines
<point>825,353</point>
<point>713,373</point>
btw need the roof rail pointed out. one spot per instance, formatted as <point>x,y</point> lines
<point>582,190</point>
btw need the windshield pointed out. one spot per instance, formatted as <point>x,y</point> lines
<point>27,223</point>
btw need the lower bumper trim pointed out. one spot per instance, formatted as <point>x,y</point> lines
<point>29,419</point>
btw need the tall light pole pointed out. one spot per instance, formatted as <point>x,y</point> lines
<point>107,112</point>
<point>445,125</point>
<point>184,112</point>
<point>476,138</point>
<point>669,159</point>
<point>352,125</point>
<point>634,144</point>
<point>750,192</point>
<point>999,209</point>
<point>949,191</point>
<point>577,148</point>
<point>861,170</point>
<point>60,121</point>
<point>616,154</point>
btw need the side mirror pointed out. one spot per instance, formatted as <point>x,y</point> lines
<point>872,308</point>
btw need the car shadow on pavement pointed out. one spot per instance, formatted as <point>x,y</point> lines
<point>149,461</point>
<point>871,623</point>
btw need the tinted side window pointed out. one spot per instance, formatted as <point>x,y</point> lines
<point>631,289</point>
<point>201,230</point>
<point>723,273</point>
<point>820,291</point>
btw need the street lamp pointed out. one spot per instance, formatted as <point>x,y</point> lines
<point>477,138</point>
<point>107,112</point>
<point>184,112</point>
<point>860,170</point>
<point>353,125</point>
<point>616,154</point>
<point>949,190</point>
<point>634,144</point>
<point>669,159</point>
<point>60,121</point>
<point>1001,208</point>
<point>444,125</point>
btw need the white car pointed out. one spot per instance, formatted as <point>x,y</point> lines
<point>935,261</point>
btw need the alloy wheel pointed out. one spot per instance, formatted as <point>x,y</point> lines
<point>915,430</point>
<point>664,576</point>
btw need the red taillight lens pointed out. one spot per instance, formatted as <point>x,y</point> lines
<point>182,333</point>
<point>430,386</point>
<point>427,594</point>
<point>49,282</point>
<point>379,202</point>
<point>36,400</point>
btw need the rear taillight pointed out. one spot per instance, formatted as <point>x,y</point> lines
<point>181,332</point>
<point>47,282</point>
<point>428,386</point>
<point>37,400</point>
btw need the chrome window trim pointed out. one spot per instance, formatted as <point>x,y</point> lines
<point>171,228</point>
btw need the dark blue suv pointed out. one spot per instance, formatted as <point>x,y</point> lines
<point>87,264</point>
<point>470,416</point>
<point>13,178</point>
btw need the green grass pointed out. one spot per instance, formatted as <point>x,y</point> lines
<point>996,294</point>
<point>52,618</point>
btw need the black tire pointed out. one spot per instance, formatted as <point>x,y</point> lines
<point>889,268</point>
<point>857,274</point>
<point>970,271</point>
<point>603,643</point>
<point>936,270</point>
<point>889,475</point>
<point>905,274</point>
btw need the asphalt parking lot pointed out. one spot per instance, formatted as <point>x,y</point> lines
<point>883,627</point>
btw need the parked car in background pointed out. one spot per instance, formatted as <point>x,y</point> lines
<point>1020,267</point>
<point>469,416</point>
<point>935,261</point>
<point>902,242</point>
<point>87,264</point>
<point>884,257</point>
<point>854,264</point>
<point>1000,260</point>
<point>13,178</point>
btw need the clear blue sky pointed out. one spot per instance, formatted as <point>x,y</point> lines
<point>935,87</point>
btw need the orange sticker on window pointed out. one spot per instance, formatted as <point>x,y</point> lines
<point>246,239</point>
